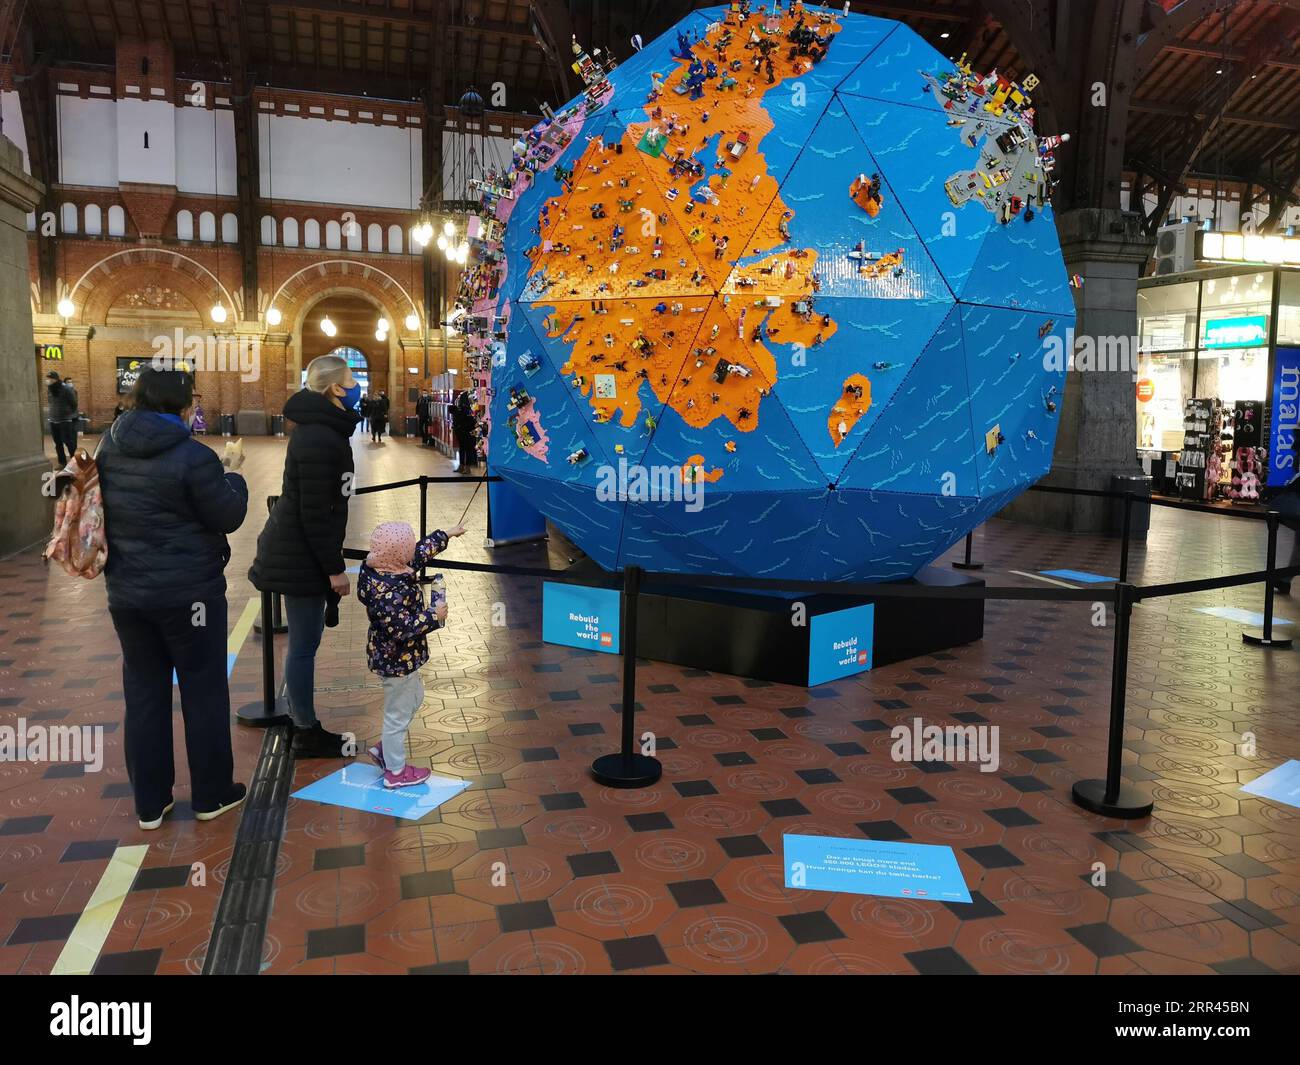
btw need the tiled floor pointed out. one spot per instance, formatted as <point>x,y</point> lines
<point>538,869</point>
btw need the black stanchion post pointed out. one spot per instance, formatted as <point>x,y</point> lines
<point>968,564</point>
<point>1128,525</point>
<point>629,768</point>
<point>1112,797</point>
<point>266,712</point>
<point>424,512</point>
<point>278,625</point>
<point>1266,637</point>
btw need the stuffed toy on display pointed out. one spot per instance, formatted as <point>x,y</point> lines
<point>1247,464</point>
<point>790,281</point>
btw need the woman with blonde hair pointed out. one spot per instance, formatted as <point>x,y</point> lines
<point>300,551</point>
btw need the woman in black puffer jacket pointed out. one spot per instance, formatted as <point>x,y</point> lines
<point>168,506</point>
<point>300,551</point>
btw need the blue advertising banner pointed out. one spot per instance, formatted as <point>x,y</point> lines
<point>1284,418</point>
<point>360,786</point>
<point>1281,784</point>
<point>576,616</point>
<point>839,643</point>
<point>874,867</point>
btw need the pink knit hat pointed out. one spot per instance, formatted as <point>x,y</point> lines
<point>392,547</point>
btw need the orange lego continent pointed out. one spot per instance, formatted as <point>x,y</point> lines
<point>849,409</point>
<point>749,215</point>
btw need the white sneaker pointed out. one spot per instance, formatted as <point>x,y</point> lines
<point>149,826</point>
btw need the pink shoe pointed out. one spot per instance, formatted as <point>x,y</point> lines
<point>377,754</point>
<point>408,776</point>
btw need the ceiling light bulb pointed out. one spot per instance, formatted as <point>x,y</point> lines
<point>442,242</point>
<point>218,313</point>
<point>412,322</point>
<point>380,335</point>
<point>273,316</point>
<point>449,227</point>
<point>382,325</point>
<point>66,308</point>
<point>327,327</point>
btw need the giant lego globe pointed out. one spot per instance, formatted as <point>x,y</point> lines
<point>799,260</point>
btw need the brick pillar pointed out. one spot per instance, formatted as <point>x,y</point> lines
<point>27,514</point>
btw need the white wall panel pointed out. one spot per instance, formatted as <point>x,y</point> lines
<point>205,151</point>
<point>87,141</point>
<point>352,164</point>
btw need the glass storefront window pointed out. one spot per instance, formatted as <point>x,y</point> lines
<point>1163,381</point>
<point>1288,312</point>
<point>1167,317</point>
<point>1235,310</point>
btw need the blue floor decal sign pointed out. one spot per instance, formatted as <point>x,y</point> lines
<point>574,615</point>
<point>1242,617</point>
<point>839,643</point>
<point>874,867</point>
<point>1281,784</point>
<point>360,786</point>
<point>1081,576</point>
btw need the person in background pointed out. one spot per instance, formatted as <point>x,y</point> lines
<point>1287,503</point>
<point>300,550</point>
<point>364,408</point>
<point>396,647</point>
<point>200,425</point>
<point>61,413</point>
<point>463,427</point>
<point>378,417</point>
<point>424,415</point>
<point>168,507</point>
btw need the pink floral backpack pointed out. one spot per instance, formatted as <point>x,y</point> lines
<point>78,542</point>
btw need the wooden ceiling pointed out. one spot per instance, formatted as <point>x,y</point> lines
<point>1218,77</point>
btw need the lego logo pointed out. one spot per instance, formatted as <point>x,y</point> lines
<point>862,658</point>
<point>606,639</point>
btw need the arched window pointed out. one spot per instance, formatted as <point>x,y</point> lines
<point>333,234</point>
<point>94,220</point>
<point>311,233</point>
<point>117,221</point>
<point>229,228</point>
<point>207,226</point>
<point>357,361</point>
<point>290,230</point>
<point>268,229</point>
<point>374,237</point>
<point>68,218</point>
<point>352,234</point>
<point>394,240</point>
<point>184,224</point>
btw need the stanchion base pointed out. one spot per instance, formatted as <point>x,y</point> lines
<point>1276,642</point>
<point>278,630</point>
<point>1129,804</point>
<point>968,565</point>
<point>616,771</point>
<point>255,715</point>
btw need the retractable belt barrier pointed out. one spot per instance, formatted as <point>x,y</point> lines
<point>630,768</point>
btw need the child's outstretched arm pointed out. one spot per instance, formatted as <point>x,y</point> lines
<point>434,544</point>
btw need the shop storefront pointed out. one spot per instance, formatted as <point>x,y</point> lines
<point>1218,377</point>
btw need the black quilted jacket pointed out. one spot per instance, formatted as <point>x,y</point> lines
<point>168,505</point>
<point>302,544</point>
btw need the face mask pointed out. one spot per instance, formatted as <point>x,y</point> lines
<point>351,396</point>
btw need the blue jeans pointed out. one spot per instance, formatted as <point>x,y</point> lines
<point>306,617</point>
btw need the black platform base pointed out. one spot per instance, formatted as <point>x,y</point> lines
<point>637,771</point>
<point>1129,803</point>
<point>754,635</point>
<point>255,715</point>
<point>1276,642</point>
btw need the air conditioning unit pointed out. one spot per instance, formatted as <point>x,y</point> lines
<point>1175,248</point>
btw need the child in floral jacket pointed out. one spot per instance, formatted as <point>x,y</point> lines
<point>396,646</point>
